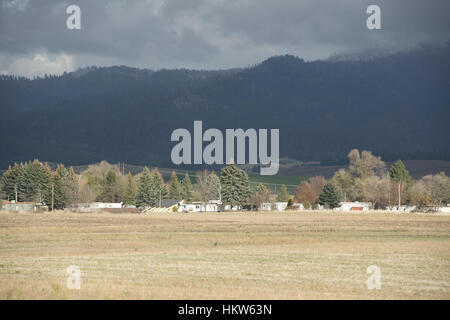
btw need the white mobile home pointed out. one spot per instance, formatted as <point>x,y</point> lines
<point>274,206</point>
<point>210,206</point>
<point>354,206</point>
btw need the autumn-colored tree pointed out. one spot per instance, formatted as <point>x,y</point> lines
<point>259,196</point>
<point>344,183</point>
<point>93,181</point>
<point>72,186</point>
<point>317,183</point>
<point>305,195</point>
<point>377,190</point>
<point>431,190</point>
<point>365,164</point>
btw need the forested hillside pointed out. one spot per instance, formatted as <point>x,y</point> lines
<point>396,106</point>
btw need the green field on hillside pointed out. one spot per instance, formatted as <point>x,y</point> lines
<point>274,182</point>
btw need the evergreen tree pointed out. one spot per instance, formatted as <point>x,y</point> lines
<point>129,197</point>
<point>234,186</point>
<point>59,194</point>
<point>110,187</point>
<point>145,194</point>
<point>10,181</point>
<point>329,196</point>
<point>400,175</point>
<point>187,191</point>
<point>174,187</point>
<point>283,195</point>
<point>160,188</point>
<point>35,182</point>
<point>262,189</point>
<point>61,171</point>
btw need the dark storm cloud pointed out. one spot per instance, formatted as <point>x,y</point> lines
<point>336,22</point>
<point>121,29</point>
<point>211,33</point>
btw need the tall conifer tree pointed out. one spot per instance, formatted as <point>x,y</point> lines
<point>129,197</point>
<point>187,191</point>
<point>174,187</point>
<point>234,186</point>
<point>145,193</point>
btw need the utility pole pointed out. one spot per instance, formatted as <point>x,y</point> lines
<point>15,189</point>
<point>389,190</point>
<point>160,198</point>
<point>53,196</point>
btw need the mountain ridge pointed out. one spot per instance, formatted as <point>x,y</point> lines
<point>396,106</point>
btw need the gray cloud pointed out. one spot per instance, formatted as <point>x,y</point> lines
<point>206,33</point>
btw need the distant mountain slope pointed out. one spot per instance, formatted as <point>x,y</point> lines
<point>396,106</point>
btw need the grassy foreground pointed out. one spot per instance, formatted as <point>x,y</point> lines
<point>224,256</point>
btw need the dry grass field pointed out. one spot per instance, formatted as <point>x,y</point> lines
<point>305,255</point>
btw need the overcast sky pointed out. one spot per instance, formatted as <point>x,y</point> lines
<point>205,34</point>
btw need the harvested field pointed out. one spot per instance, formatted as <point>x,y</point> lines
<point>304,255</point>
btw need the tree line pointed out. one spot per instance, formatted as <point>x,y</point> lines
<point>104,182</point>
<point>366,178</point>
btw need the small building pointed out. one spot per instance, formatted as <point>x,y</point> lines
<point>213,206</point>
<point>229,207</point>
<point>170,203</point>
<point>297,206</point>
<point>273,206</point>
<point>406,209</point>
<point>105,205</point>
<point>101,207</point>
<point>22,206</point>
<point>210,206</point>
<point>444,209</point>
<point>354,206</point>
<point>279,206</point>
<point>191,207</point>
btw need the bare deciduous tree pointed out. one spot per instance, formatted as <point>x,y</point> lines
<point>431,190</point>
